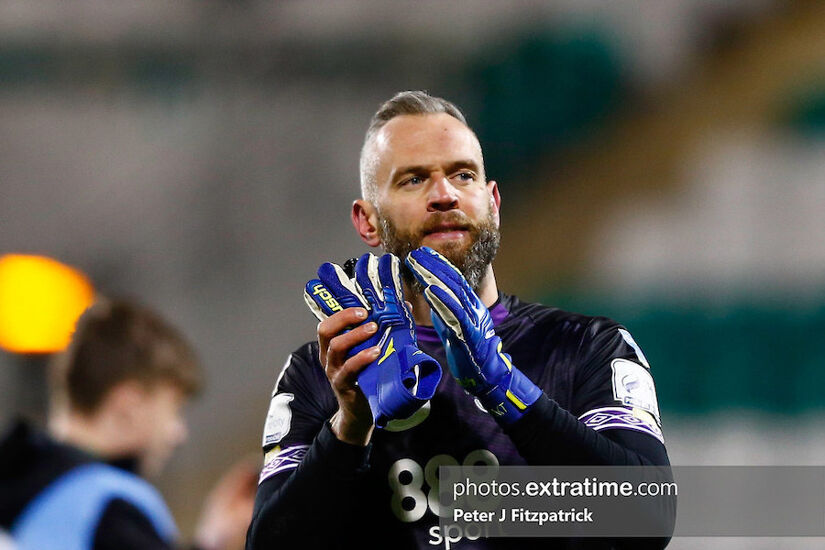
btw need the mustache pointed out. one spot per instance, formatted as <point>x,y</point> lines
<point>454,218</point>
<point>472,261</point>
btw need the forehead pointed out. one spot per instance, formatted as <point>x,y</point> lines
<point>423,140</point>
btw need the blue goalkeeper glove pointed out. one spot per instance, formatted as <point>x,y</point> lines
<point>473,349</point>
<point>403,377</point>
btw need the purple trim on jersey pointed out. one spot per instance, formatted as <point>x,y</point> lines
<point>499,313</point>
<point>428,334</point>
<point>286,459</point>
<point>617,417</point>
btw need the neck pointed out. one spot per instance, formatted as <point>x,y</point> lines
<point>487,291</point>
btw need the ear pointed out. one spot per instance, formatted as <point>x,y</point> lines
<point>492,188</point>
<point>365,220</point>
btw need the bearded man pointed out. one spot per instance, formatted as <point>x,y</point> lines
<point>547,392</point>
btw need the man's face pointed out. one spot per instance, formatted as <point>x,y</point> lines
<point>431,191</point>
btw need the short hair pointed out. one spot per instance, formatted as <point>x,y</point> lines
<point>117,341</point>
<point>403,103</point>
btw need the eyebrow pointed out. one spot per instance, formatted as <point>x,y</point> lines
<point>451,167</point>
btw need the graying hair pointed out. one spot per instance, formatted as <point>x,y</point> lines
<point>403,103</point>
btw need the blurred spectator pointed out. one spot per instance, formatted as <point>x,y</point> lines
<point>117,396</point>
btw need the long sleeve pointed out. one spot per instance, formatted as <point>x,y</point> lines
<point>309,478</point>
<point>550,435</point>
<point>618,424</point>
<point>308,504</point>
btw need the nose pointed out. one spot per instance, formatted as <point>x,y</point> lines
<point>442,196</point>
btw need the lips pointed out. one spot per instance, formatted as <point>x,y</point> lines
<point>446,228</point>
<point>445,235</point>
<point>447,232</point>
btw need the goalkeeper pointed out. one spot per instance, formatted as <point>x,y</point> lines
<point>361,419</point>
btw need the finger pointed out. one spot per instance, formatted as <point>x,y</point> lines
<point>366,276</point>
<point>441,329</point>
<point>449,311</point>
<point>430,271</point>
<point>453,341</point>
<point>389,272</point>
<point>435,269</point>
<point>341,345</point>
<point>320,300</point>
<point>345,377</point>
<point>341,286</point>
<point>335,324</point>
<point>437,265</point>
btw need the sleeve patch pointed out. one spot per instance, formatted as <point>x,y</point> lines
<point>633,387</point>
<point>606,418</point>
<point>286,459</point>
<point>278,419</point>
<point>632,343</point>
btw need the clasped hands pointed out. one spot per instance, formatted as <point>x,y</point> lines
<point>368,347</point>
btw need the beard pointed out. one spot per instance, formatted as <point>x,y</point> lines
<point>471,260</point>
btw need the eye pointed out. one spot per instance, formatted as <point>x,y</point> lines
<point>465,176</point>
<point>412,180</point>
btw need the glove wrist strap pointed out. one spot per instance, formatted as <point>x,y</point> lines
<point>399,384</point>
<point>508,401</point>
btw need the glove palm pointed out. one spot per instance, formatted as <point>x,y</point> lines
<point>474,351</point>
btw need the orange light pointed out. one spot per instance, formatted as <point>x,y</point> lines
<point>40,301</point>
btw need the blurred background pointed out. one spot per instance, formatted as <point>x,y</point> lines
<point>660,162</point>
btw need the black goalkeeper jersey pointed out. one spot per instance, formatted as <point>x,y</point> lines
<point>599,408</point>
